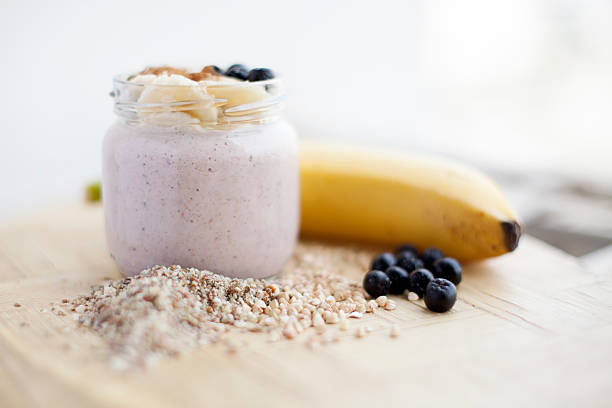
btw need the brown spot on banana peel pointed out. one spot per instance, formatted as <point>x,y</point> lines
<point>512,234</point>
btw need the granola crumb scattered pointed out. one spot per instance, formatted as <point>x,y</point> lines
<point>381,301</point>
<point>275,336</point>
<point>361,332</point>
<point>343,323</point>
<point>331,317</point>
<point>231,347</point>
<point>313,343</point>
<point>17,304</point>
<point>371,306</point>
<point>390,305</point>
<point>394,332</point>
<point>412,296</point>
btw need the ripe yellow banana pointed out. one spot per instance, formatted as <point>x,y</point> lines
<point>390,198</point>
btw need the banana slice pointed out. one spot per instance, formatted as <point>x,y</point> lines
<point>173,88</point>
<point>176,88</point>
<point>206,115</point>
<point>143,79</point>
<point>133,92</point>
<point>238,95</point>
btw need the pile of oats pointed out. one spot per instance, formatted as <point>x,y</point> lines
<point>168,310</point>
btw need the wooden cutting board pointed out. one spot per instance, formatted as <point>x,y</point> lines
<point>529,329</point>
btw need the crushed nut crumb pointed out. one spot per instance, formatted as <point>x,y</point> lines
<point>412,296</point>
<point>361,332</point>
<point>371,306</point>
<point>164,311</point>
<point>381,301</point>
<point>390,305</point>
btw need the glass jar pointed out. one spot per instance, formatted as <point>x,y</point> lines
<point>201,181</point>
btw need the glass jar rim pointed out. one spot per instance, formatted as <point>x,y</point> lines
<point>127,105</point>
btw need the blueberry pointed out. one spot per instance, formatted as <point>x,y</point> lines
<point>429,256</point>
<point>449,269</point>
<point>419,279</point>
<point>383,261</point>
<point>238,71</point>
<point>217,69</point>
<point>376,283</point>
<point>399,279</point>
<point>406,248</point>
<point>408,261</point>
<point>260,74</point>
<point>440,296</point>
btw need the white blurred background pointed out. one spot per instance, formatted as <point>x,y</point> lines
<point>519,88</point>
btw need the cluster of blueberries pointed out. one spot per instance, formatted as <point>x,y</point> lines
<point>241,72</point>
<point>429,274</point>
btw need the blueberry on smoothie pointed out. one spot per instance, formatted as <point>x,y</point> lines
<point>237,71</point>
<point>260,74</point>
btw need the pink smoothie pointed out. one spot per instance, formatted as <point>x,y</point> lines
<point>222,200</point>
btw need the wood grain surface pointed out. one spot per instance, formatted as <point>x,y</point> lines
<point>529,329</point>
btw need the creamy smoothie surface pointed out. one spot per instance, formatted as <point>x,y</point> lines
<point>201,171</point>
